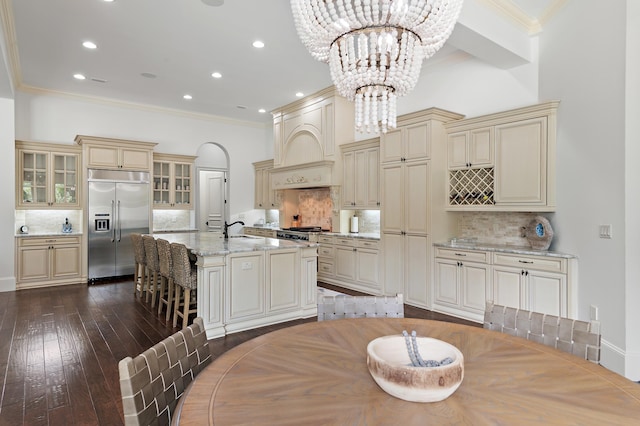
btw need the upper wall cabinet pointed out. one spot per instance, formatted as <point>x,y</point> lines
<point>173,181</point>
<point>47,176</point>
<point>312,129</point>
<point>114,154</point>
<point>265,196</point>
<point>504,161</point>
<point>360,181</point>
<point>406,143</point>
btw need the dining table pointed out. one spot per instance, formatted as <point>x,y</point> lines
<point>316,374</point>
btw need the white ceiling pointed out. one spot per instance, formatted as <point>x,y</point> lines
<point>181,42</point>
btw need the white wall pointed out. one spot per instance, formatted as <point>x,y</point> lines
<point>7,209</point>
<point>46,118</point>
<point>582,63</point>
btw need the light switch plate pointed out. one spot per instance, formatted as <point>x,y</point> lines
<point>605,231</point>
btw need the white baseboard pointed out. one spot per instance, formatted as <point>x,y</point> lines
<point>7,284</point>
<point>626,364</point>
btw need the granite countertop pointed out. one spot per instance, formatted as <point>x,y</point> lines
<point>502,249</point>
<point>212,243</point>
<point>48,234</point>
<point>364,235</point>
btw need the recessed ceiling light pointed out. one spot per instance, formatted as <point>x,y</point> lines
<point>216,75</point>
<point>148,75</point>
<point>262,110</point>
<point>299,94</point>
<point>215,3</point>
<point>188,97</point>
<point>108,1</point>
<point>89,45</point>
<point>79,77</point>
<point>258,44</point>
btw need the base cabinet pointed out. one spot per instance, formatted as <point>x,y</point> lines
<point>350,262</point>
<point>465,279</point>
<point>407,267</point>
<point>43,262</point>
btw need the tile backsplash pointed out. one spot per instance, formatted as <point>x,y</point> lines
<point>314,207</point>
<point>495,227</point>
<point>170,220</point>
<point>48,221</point>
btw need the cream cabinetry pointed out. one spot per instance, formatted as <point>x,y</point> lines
<point>473,148</point>
<point>173,181</point>
<point>312,129</point>
<point>406,143</point>
<point>532,283</point>
<point>360,182</point>
<point>265,196</point>
<point>350,262</point>
<point>47,176</point>
<point>105,153</point>
<point>463,281</point>
<point>259,232</point>
<point>504,161</point>
<point>48,261</point>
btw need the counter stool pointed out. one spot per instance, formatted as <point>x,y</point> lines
<point>185,281</point>
<point>166,277</point>
<point>140,268</point>
<point>153,266</point>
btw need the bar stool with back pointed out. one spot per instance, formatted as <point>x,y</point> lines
<point>185,279</point>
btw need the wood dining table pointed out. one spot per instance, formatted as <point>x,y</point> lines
<point>316,374</point>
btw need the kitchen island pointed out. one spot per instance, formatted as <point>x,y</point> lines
<point>246,282</point>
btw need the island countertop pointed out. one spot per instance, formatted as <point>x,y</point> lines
<point>212,243</point>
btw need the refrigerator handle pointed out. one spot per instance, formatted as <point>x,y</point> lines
<point>113,217</point>
<point>119,225</point>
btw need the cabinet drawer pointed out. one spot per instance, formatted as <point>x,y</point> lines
<point>541,263</point>
<point>349,242</point>
<point>372,244</point>
<point>325,239</point>
<point>325,268</point>
<point>468,255</point>
<point>324,251</point>
<point>43,241</point>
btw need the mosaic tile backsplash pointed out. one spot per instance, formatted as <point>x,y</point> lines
<point>495,227</point>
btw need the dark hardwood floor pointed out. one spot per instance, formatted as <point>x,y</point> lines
<point>60,348</point>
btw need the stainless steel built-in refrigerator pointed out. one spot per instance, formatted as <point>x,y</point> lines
<point>118,206</point>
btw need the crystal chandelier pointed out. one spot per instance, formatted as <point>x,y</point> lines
<point>374,48</point>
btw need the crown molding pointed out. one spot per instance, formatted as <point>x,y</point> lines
<point>141,107</point>
<point>551,11</point>
<point>9,34</point>
<point>513,13</point>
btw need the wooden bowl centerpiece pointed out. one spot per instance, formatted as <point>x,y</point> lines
<point>391,365</point>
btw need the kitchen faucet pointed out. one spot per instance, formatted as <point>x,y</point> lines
<point>228,225</point>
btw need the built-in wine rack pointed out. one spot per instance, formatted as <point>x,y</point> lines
<point>471,187</point>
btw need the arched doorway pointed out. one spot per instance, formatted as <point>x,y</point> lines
<point>212,181</point>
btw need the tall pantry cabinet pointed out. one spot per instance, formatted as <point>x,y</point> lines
<point>412,176</point>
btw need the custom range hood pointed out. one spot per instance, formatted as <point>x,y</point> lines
<point>307,175</point>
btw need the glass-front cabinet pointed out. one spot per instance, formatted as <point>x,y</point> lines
<point>173,181</point>
<point>47,175</point>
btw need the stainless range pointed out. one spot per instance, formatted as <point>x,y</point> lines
<point>307,233</point>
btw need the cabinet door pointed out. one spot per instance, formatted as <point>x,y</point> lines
<point>393,260</point>
<point>457,150</point>
<point>367,267</point>
<point>102,157</point>
<point>546,292</point>
<point>417,269</point>
<point>391,146</point>
<point>416,198</point>
<point>474,280</point>
<point>392,198</point>
<point>345,262</point>
<point>258,188</point>
<point>283,289</point>
<point>64,187</point>
<point>446,286</point>
<point>481,147</point>
<point>373,178</point>
<point>182,183</point>
<point>245,295</point>
<point>66,261</point>
<point>348,179</point>
<point>135,159</point>
<point>521,162</point>
<point>33,263</point>
<point>162,184</point>
<point>507,287</point>
<point>417,144</point>
<point>360,187</point>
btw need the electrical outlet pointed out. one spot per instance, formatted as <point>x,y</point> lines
<point>241,216</point>
<point>605,231</point>
<point>247,265</point>
<point>593,313</point>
